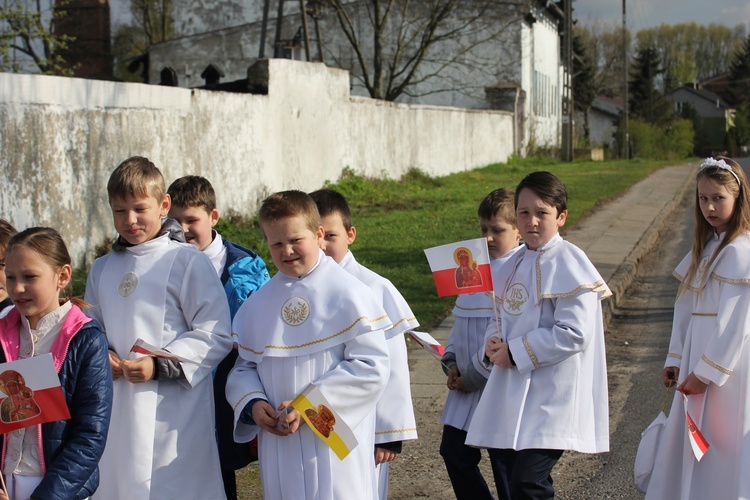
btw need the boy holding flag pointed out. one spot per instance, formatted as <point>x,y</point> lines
<point>466,375</point>
<point>312,323</point>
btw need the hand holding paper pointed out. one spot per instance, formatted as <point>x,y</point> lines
<point>142,347</point>
<point>288,420</point>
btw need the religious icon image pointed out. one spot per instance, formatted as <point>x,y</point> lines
<point>323,419</point>
<point>19,404</point>
<point>467,274</point>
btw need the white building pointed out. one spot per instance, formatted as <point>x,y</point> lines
<point>509,60</point>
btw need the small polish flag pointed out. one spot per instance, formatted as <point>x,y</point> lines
<point>697,441</point>
<point>323,420</point>
<point>428,342</point>
<point>31,393</point>
<point>461,267</point>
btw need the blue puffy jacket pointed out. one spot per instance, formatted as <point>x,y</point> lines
<point>243,273</point>
<point>71,449</point>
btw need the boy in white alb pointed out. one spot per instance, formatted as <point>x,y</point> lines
<point>313,322</point>
<point>394,415</point>
<point>161,442</point>
<point>467,375</point>
<point>548,389</point>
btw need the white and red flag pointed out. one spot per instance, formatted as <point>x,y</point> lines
<point>697,441</point>
<point>461,267</point>
<point>428,342</point>
<point>31,393</point>
<point>142,347</point>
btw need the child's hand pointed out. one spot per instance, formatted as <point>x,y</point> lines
<point>669,375</point>
<point>453,375</point>
<point>382,455</point>
<point>290,420</point>
<point>137,371</point>
<point>3,495</point>
<point>114,363</point>
<point>692,385</point>
<point>265,417</point>
<point>491,346</point>
<point>501,356</point>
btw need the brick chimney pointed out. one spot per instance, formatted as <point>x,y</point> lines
<point>90,54</point>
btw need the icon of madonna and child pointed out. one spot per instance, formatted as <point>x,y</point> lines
<point>467,273</point>
<point>19,404</point>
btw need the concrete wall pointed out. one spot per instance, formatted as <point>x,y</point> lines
<point>61,138</point>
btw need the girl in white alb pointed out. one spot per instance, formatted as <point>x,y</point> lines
<point>708,358</point>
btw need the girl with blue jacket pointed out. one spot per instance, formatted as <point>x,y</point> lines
<point>55,460</point>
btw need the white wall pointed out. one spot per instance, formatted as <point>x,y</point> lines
<point>62,137</point>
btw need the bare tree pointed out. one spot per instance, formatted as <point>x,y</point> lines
<point>28,41</point>
<point>396,45</point>
<point>153,22</point>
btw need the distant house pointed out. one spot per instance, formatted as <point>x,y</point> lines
<point>711,114</point>
<point>602,121</point>
<point>519,70</point>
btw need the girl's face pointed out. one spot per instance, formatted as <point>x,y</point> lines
<point>33,284</point>
<point>537,221</point>
<point>716,202</point>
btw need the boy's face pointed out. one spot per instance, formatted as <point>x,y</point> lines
<point>537,221</point>
<point>197,224</point>
<point>502,237</point>
<point>294,247</point>
<point>337,239</point>
<point>138,220</point>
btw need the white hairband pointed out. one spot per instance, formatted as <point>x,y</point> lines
<point>710,162</point>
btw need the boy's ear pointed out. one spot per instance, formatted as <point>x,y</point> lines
<point>66,274</point>
<point>351,235</point>
<point>166,204</point>
<point>562,218</point>
<point>213,216</point>
<point>320,233</point>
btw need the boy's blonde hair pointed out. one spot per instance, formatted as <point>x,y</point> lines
<point>136,177</point>
<point>193,191</point>
<point>501,202</point>
<point>291,203</point>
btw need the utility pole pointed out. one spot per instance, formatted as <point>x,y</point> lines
<point>264,26</point>
<point>303,15</point>
<point>568,108</point>
<point>626,142</point>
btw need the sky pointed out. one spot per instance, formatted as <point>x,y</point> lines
<point>642,14</point>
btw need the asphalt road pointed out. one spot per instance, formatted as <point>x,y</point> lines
<point>637,342</point>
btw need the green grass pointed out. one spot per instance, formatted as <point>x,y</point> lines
<point>397,219</point>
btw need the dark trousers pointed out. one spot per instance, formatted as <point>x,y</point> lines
<point>462,464</point>
<point>529,472</point>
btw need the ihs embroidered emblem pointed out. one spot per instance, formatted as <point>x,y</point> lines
<point>516,297</point>
<point>295,311</point>
<point>128,284</point>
